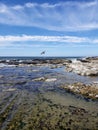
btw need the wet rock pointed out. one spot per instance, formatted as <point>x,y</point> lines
<point>76,110</point>
<point>34,70</point>
<point>95,82</point>
<point>45,79</point>
<point>89,91</point>
<point>9,90</point>
<point>92,58</point>
<point>13,63</point>
<point>51,80</point>
<point>60,61</point>
<point>83,60</point>
<point>20,82</point>
<point>1,76</point>
<point>53,61</point>
<point>53,66</point>
<point>39,79</point>
<point>96,96</point>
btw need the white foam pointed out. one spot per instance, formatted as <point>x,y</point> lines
<point>75,61</point>
<point>5,65</point>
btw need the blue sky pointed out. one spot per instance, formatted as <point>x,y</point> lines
<point>61,27</point>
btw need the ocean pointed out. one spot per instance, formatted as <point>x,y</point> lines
<point>33,57</point>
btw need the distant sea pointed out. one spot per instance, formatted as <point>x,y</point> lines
<point>32,58</point>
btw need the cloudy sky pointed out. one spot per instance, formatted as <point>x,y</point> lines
<point>61,27</point>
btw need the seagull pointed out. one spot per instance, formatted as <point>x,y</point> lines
<point>42,53</point>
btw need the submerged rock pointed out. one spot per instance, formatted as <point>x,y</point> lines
<point>45,79</point>
<point>39,79</point>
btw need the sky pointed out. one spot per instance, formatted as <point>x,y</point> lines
<point>59,27</point>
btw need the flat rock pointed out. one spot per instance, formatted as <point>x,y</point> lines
<point>89,91</point>
<point>51,80</point>
<point>39,79</point>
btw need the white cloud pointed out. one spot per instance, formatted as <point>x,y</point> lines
<point>67,39</point>
<point>66,16</point>
<point>24,41</point>
<point>95,41</point>
<point>46,42</point>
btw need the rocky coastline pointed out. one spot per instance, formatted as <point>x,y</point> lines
<point>40,94</point>
<point>55,61</point>
<point>85,67</point>
<point>88,91</point>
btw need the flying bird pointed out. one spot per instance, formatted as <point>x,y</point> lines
<point>42,53</point>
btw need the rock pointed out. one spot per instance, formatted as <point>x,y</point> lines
<point>1,76</point>
<point>83,68</point>
<point>96,96</point>
<point>84,61</point>
<point>52,61</point>
<point>91,94</point>
<point>45,79</point>
<point>92,58</point>
<point>71,86</point>
<point>95,82</point>
<point>9,90</point>
<point>21,83</point>
<point>35,70</point>
<point>39,79</point>
<point>89,91</point>
<point>51,80</point>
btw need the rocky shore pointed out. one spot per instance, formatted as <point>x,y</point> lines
<point>55,61</point>
<point>88,91</point>
<point>86,67</point>
<point>33,96</point>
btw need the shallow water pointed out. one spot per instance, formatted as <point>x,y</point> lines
<point>41,99</point>
<point>14,75</point>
